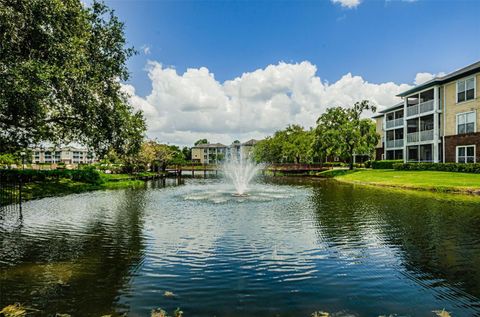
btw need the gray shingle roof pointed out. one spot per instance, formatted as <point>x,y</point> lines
<point>465,71</point>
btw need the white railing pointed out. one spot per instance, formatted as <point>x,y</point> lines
<point>423,107</point>
<point>395,143</point>
<point>426,135</point>
<point>426,106</point>
<point>394,123</point>
<point>412,110</point>
<point>412,137</point>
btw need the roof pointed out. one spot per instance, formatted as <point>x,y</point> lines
<point>462,72</point>
<point>251,142</point>
<point>395,106</point>
<point>388,109</point>
<point>209,145</point>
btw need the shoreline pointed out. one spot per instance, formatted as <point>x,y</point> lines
<point>449,182</point>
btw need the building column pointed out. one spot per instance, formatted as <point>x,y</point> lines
<point>436,128</point>
<point>405,129</point>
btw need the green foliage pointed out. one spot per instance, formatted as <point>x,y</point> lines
<point>385,164</point>
<point>187,153</point>
<point>86,175</point>
<point>292,145</point>
<point>341,132</point>
<point>153,156</point>
<point>444,167</point>
<point>61,64</point>
<point>201,141</point>
<point>8,159</point>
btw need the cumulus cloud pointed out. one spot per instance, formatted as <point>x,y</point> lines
<point>182,108</point>
<point>347,3</point>
<point>421,78</point>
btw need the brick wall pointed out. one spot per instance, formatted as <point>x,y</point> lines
<point>452,141</point>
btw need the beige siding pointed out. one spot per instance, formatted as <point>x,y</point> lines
<point>198,154</point>
<point>379,122</point>
<point>453,108</point>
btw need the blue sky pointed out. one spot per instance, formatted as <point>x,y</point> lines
<point>380,40</point>
<point>373,49</point>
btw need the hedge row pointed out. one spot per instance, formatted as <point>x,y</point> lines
<point>386,164</point>
<point>444,167</point>
<point>86,175</point>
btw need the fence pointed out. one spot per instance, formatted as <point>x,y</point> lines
<point>10,192</point>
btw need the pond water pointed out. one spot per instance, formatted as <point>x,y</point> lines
<point>294,246</point>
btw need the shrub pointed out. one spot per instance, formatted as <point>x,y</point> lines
<point>368,164</point>
<point>86,175</point>
<point>386,164</point>
<point>443,167</point>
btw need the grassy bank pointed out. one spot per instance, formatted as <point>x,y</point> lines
<point>63,186</point>
<point>418,180</point>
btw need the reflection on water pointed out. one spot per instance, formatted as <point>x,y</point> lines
<point>292,247</point>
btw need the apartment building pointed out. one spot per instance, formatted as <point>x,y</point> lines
<point>216,152</point>
<point>240,151</point>
<point>67,155</point>
<point>209,153</point>
<point>436,122</point>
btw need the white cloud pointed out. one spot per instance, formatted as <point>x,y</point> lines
<point>347,3</point>
<point>146,49</point>
<point>421,78</point>
<point>182,108</point>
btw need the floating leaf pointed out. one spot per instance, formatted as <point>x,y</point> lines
<point>15,310</point>
<point>178,312</point>
<point>158,312</point>
<point>320,314</point>
<point>442,313</point>
<point>168,294</point>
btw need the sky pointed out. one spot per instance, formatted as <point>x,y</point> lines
<point>226,70</point>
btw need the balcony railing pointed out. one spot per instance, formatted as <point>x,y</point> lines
<point>423,107</point>
<point>395,143</point>
<point>394,123</point>
<point>426,106</point>
<point>426,135</point>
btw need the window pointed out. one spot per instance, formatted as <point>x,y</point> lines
<point>466,154</point>
<point>466,89</point>
<point>466,122</point>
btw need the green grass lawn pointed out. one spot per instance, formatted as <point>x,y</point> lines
<point>64,186</point>
<point>426,180</point>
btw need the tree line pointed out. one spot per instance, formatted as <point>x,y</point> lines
<point>340,132</point>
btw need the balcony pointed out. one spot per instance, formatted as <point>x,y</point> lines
<point>394,143</point>
<point>394,123</point>
<point>421,136</point>
<point>420,108</point>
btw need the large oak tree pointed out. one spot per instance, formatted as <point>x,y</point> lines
<point>342,132</point>
<point>61,64</point>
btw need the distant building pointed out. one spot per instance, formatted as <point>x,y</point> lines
<point>213,153</point>
<point>240,151</point>
<point>209,153</point>
<point>67,155</point>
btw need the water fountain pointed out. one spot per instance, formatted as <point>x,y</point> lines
<point>241,172</point>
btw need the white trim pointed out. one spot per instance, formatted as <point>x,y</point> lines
<point>464,113</point>
<point>474,88</point>
<point>420,91</point>
<point>465,146</point>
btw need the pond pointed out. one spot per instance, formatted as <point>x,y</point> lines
<point>294,246</point>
